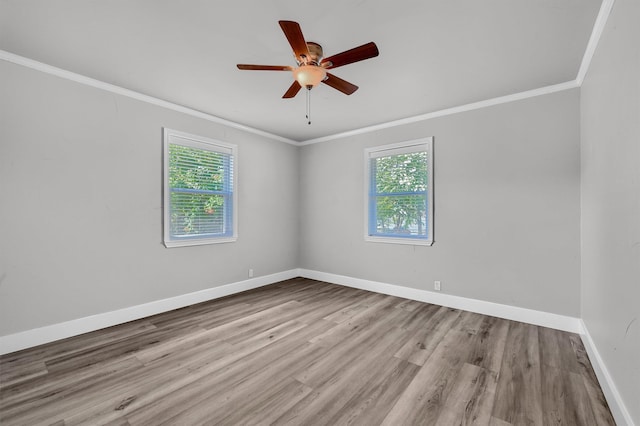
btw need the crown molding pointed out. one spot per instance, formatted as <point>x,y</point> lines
<point>449,111</point>
<point>598,28</point>
<point>88,81</point>
<point>596,33</point>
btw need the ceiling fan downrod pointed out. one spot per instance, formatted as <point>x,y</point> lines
<point>312,66</point>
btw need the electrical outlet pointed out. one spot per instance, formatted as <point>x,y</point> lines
<point>436,285</point>
<point>250,273</point>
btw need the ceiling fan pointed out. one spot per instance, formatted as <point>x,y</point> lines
<point>312,67</point>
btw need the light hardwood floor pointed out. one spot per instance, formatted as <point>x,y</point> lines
<point>304,352</point>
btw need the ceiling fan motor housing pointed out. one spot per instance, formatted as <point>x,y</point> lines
<point>311,70</point>
<point>315,51</point>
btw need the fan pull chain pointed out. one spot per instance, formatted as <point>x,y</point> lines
<point>308,105</point>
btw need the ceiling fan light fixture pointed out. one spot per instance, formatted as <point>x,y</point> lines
<point>312,65</point>
<point>309,75</point>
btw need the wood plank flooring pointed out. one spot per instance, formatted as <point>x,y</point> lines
<point>303,352</point>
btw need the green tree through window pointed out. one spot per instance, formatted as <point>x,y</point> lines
<point>197,182</point>
<point>199,190</point>
<point>400,192</point>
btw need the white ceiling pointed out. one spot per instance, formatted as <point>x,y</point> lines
<point>433,54</point>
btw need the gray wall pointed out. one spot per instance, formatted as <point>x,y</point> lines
<point>524,210</point>
<point>506,200</point>
<point>610,109</point>
<point>81,216</point>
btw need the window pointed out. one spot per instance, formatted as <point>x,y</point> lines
<point>399,193</point>
<point>199,190</point>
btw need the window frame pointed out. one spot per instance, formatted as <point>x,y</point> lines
<point>175,137</point>
<point>416,145</point>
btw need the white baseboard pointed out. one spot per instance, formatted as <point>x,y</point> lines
<point>50,333</point>
<point>530,316</point>
<point>616,404</point>
<point>38,336</point>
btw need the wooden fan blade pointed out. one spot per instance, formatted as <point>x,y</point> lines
<point>265,67</point>
<point>360,53</point>
<point>294,35</point>
<point>293,90</point>
<point>340,84</point>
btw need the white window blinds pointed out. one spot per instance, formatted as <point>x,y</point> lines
<point>400,193</point>
<point>199,190</point>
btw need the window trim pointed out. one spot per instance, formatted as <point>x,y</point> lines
<point>399,148</point>
<point>171,136</point>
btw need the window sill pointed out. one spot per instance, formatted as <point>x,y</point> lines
<point>196,242</point>
<point>405,241</point>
